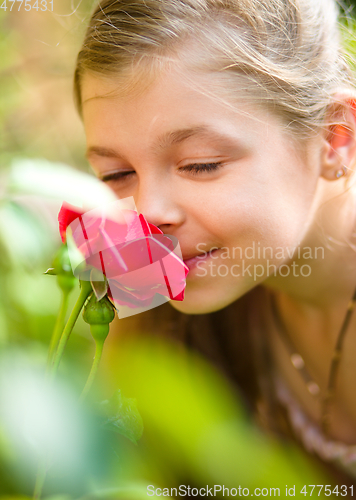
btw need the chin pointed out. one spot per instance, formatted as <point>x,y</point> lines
<point>210,297</point>
<point>192,304</point>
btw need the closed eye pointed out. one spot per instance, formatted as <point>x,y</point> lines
<point>116,176</point>
<point>195,168</point>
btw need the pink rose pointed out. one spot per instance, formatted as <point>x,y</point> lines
<point>143,267</point>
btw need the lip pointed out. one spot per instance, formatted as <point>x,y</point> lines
<point>193,261</point>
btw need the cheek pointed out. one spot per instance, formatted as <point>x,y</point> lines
<point>273,212</point>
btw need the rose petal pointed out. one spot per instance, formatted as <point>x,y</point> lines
<point>142,266</point>
<point>67,214</point>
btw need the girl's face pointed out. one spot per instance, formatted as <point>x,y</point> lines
<point>212,175</point>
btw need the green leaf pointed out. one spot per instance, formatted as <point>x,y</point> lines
<point>123,416</point>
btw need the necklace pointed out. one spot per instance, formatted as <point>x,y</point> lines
<point>299,364</point>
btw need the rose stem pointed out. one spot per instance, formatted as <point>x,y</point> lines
<point>94,369</point>
<point>86,289</point>
<point>59,326</point>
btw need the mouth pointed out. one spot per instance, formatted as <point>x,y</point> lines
<point>191,262</point>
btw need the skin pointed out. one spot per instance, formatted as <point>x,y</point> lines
<point>270,189</point>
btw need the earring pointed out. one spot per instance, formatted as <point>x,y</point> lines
<point>341,172</point>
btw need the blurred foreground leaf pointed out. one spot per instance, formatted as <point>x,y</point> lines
<point>61,497</point>
<point>195,425</point>
<point>123,416</point>
<point>22,236</point>
<point>57,181</point>
<point>126,493</point>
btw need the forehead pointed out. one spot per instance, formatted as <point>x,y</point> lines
<point>174,100</point>
<point>173,89</point>
<point>127,82</point>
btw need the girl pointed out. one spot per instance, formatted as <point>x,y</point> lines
<point>232,124</point>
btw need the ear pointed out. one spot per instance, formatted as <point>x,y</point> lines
<point>339,142</point>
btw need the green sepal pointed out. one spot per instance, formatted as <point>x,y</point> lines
<point>51,272</point>
<point>99,283</point>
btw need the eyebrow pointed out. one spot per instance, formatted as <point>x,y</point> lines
<point>179,136</point>
<point>166,140</point>
<point>105,152</point>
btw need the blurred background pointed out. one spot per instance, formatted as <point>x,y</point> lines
<point>159,416</point>
<point>37,57</point>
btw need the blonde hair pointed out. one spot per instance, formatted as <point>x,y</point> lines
<point>288,52</point>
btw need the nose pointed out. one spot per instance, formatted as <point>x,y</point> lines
<point>157,201</point>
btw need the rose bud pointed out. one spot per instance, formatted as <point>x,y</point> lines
<point>98,314</point>
<point>61,267</point>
